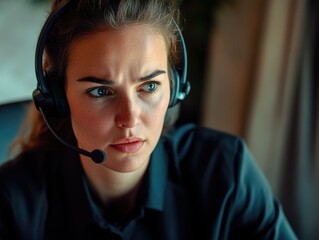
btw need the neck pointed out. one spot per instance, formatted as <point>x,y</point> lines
<point>110,185</point>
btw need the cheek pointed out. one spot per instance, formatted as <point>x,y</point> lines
<point>83,115</point>
<point>82,122</point>
<point>89,126</point>
<point>82,118</point>
<point>155,113</point>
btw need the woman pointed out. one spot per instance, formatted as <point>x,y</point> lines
<point>113,65</point>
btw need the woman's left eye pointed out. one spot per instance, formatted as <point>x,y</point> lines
<point>150,87</point>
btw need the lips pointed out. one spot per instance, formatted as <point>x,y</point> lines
<point>128,145</point>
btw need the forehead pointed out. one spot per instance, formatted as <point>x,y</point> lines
<point>128,35</point>
<point>110,47</point>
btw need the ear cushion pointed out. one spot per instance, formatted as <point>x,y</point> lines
<point>59,105</point>
<point>175,87</point>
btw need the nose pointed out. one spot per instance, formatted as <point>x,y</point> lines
<point>128,113</point>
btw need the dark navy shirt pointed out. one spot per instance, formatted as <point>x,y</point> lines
<point>200,184</point>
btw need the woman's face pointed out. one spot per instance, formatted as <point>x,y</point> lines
<point>118,91</point>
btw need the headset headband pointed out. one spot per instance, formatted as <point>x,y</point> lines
<point>46,29</point>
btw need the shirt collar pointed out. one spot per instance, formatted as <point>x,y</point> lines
<point>156,178</point>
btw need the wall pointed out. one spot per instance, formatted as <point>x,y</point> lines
<point>20,24</point>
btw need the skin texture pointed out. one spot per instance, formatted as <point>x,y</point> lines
<point>118,91</point>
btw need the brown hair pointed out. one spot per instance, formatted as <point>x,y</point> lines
<point>83,17</point>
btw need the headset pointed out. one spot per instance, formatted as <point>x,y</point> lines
<point>50,97</point>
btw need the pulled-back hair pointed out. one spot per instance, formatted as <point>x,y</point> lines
<point>81,18</point>
<point>85,16</point>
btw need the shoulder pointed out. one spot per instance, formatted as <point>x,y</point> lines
<point>25,165</point>
<point>209,160</point>
<point>192,134</point>
<point>223,178</point>
<point>23,192</point>
<point>202,145</point>
<point>26,174</point>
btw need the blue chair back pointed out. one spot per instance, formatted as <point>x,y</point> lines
<point>11,116</point>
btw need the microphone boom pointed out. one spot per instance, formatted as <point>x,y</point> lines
<point>97,155</point>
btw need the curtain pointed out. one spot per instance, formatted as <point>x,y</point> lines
<point>299,188</point>
<point>262,84</point>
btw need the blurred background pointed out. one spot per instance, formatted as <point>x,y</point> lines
<point>254,70</point>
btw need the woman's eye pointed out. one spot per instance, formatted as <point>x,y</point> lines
<point>99,92</point>
<point>150,87</point>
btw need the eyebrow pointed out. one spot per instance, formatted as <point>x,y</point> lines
<point>152,75</point>
<point>111,82</point>
<point>96,80</point>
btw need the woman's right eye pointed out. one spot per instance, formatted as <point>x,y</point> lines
<point>98,92</point>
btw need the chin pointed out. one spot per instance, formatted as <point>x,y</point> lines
<point>126,165</point>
